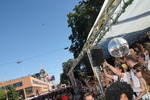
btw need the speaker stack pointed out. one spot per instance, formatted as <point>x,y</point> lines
<point>97,56</point>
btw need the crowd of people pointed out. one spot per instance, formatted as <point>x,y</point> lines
<point>134,69</point>
<point>125,78</point>
<point>61,94</point>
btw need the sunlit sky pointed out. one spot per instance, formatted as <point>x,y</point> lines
<point>34,29</point>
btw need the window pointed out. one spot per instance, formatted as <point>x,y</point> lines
<point>19,84</point>
<point>36,82</point>
<point>2,88</point>
<point>6,87</point>
<point>29,90</point>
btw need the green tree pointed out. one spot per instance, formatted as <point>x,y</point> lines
<point>81,22</point>
<point>2,94</point>
<point>63,79</point>
<point>12,93</point>
<point>66,67</point>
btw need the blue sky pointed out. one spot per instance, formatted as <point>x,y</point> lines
<point>30,28</point>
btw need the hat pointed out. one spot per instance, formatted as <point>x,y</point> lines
<point>124,66</point>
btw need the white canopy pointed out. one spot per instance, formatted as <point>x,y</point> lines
<point>133,22</point>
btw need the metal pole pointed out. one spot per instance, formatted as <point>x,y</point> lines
<point>95,70</point>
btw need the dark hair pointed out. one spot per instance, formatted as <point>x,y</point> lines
<point>140,47</point>
<point>131,58</point>
<point>145,72</point>
<point>116,89</point>
<point>87,94</point>
<point>147,46</point>
<point>119,66</point>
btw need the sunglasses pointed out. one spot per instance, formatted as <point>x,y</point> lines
<point>136,71</point>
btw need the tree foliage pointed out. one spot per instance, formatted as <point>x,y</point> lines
<point>12,93</point>
<point>81,22</point>
<point>66,67</point>
<point>2,94</point>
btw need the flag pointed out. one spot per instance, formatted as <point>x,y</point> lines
<point>52,78</point>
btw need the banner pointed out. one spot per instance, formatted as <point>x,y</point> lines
<point>51,78</point>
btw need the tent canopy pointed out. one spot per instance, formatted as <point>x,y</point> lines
<point>131,25</point>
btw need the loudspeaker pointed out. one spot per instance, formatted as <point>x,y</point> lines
<point>97,56</point>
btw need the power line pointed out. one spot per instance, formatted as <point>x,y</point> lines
<point>7,63</point>
<point>20,61</point>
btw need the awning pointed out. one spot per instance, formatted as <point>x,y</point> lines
<point>131,25</point>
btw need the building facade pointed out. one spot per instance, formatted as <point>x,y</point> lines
<point>27,86</point>
<point>42,75</point>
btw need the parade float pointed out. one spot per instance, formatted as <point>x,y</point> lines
<point>121,22</point>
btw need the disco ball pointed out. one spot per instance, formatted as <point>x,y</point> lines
<point>118,47</point>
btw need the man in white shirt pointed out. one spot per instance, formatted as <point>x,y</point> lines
<point>131,62</point>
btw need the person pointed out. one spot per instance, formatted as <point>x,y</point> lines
<point>126,71</point>
<point>37,92</point>
<point>141,59</point>
<point>58,97</point>
<point>131,61</point>
<point>139,48</point>
<point>148,35</point>
<point>147,47</point>
<point>105,80</point>
<point>143,74</point>
<point>147,54</point>
<point>125,67</point>
<point>118,70</point>
<point>76,93</point>
<point>119,91</point>
<point>64,97</point>
<point>88,96</point>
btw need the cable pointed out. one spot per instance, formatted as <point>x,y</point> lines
<point>18,62</point>
<point>7,63</point>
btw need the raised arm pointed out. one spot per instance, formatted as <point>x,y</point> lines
<point>108,75</point>
<point>113,69</point>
